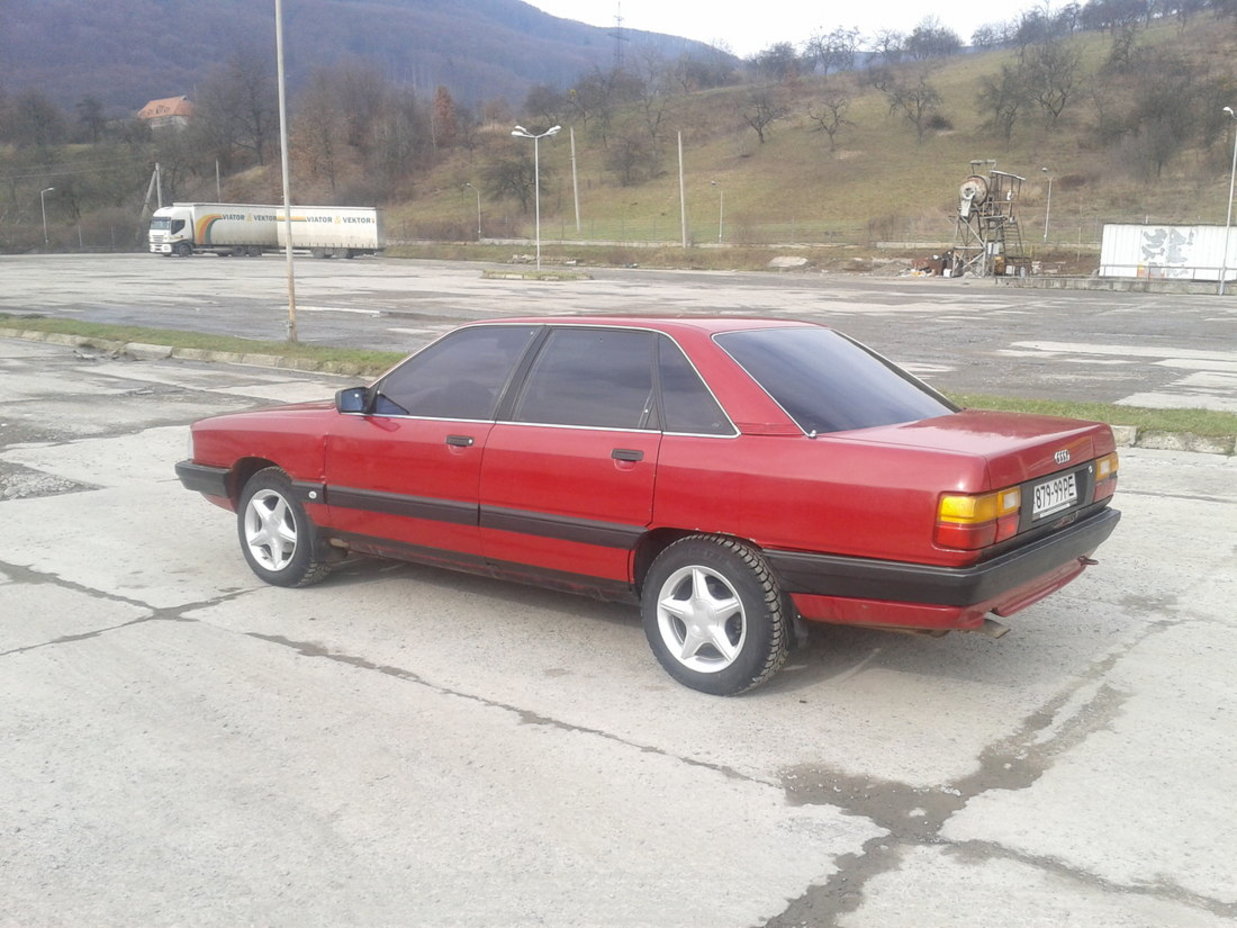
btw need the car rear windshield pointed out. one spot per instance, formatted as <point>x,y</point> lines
<point>828,383</point>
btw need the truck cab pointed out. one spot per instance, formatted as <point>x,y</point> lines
<point>171,231</point>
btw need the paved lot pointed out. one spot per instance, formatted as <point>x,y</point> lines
<point>405,746</point>
<point>967,335</point>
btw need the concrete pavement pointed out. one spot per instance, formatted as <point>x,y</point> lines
<point>407,746</point>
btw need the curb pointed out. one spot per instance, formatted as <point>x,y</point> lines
<point>1126,436</point>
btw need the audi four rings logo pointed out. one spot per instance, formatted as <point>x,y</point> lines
<point>1061,457</point>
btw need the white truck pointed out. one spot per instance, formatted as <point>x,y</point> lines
<point>243,229</point>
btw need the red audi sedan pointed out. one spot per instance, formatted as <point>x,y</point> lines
<point>732,476</point>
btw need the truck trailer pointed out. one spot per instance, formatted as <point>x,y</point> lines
<point>244,229</point>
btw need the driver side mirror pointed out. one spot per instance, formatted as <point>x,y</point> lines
<point>353,400</point>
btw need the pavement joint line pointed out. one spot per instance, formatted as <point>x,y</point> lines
<point>19,574</point>
<point>916,816</point>
<point>1126,436</point>
<point>526,716</point>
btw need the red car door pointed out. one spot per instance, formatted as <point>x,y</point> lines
<point>406,471</point>
<point>567,475</point>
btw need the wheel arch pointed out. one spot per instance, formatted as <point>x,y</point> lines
<point>244,469</point>
<point>654,542</point>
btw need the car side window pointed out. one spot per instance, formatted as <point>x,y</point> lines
<point>460,376</point>
<point>591,377</point>
<point>687,405</point>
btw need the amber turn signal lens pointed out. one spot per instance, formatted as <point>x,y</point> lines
<point>976,521</point>
<point>1105,476</point>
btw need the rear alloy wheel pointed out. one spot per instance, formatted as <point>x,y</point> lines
<point>277,537</point>
<point>715,616</point>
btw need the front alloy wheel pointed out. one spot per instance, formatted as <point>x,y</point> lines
<point>277,537</point>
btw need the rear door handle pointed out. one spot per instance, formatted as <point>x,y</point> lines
<point>460,441</point>
<point>627,454</point>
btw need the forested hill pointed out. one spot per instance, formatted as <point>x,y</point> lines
<point>125,52</point>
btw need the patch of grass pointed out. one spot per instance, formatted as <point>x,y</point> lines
<point>1206,422</point>
<point>361,358</point>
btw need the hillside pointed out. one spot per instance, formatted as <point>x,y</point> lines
<point>125,52</point>
<point>880,182</point>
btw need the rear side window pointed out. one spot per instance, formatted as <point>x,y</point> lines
<point>828,383</point>
<point>687,405</point>
<point>460,376</point>
<point>593,377</point>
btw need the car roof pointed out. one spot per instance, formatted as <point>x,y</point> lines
<point>657,322</point>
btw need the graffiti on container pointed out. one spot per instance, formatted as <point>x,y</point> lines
<point>1165,251</point>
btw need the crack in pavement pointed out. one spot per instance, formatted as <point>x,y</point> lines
<point>915,816</point>
<point>526,716</point>
<point>19,574</point>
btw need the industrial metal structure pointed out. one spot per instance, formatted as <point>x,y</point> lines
<point>988,239</point>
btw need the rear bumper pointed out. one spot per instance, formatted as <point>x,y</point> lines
<point>990,582</point>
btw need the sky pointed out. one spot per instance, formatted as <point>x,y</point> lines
<point>748,26</point>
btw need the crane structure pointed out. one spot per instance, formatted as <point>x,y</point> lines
<point>988,240</point>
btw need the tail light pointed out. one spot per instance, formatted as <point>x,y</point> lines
<point>977,521</point>
<point>1105,476</point>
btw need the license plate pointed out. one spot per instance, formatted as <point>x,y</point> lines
<point>1053,496</point>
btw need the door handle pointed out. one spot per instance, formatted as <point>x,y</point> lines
<point>460,441</point>
<point>627,454</point>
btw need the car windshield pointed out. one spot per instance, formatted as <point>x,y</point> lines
<point>160,224</point>
<point>828,383</point>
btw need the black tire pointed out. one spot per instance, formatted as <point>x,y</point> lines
<point>183,249</point>
<point>715,616</point>
<point>277,537</point>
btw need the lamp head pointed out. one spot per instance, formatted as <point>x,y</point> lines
<point>1229,110</point>
<point>554,130</point>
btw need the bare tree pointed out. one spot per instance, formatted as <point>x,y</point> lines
<point>630,158</point>
<point>829,115</point>
<point>318,132</point>
<point>778,62</point>
<point>510,175</point>
<point>1003,99</point>
<point>764,107</point>
<point>918,102</point>
<point>237,106</point>
<point>90,116</point>
<point>34,121</point>
<point>835,51</point>
<point>932,40</point>
<point>1052,73</point>
<point>888,45</point>
<point>546,103</point>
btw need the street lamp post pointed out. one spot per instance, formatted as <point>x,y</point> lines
<point>721,207</point>
<point>522,133</point>
<point>43,205</point>
<point>478,193</point>
<point>1048,206</point>
<point>1228,219</point>
<point>283,165</point>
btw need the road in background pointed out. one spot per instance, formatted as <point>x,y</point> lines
<point>968,335</point>
<point>407,746</point>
